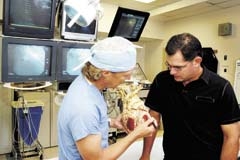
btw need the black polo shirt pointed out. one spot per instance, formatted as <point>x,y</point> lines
<point>192,114</point>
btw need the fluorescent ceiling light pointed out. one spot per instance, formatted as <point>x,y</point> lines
<point>145,1</point>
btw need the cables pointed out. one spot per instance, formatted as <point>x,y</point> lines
<point>27,120</point>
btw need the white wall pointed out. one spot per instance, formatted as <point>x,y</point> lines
<point>205,27</point>
<point>152,29</point>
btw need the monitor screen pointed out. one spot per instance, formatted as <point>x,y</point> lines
<point>70,56</point>
<point>28,60</point>
<point>29,18</point>
<point>77,32</point>
<point>128,23</point>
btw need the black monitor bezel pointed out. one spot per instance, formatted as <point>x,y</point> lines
<point>68,44</point>
<point>117,19</point>
<point>27,31</point>
<point>6,40</point>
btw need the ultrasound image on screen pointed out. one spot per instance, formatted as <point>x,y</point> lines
<point>28,60</point>
<point>73,57</point>
<point>31,13</point>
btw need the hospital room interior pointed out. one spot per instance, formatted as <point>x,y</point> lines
<point>35,85</point>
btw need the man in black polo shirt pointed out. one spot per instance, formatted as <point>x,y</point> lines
<point>199,109</point>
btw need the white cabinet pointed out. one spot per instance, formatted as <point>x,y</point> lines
<point>5,120</point>
<point>57,98</point>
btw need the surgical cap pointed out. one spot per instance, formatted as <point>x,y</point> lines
<point>115,54</point>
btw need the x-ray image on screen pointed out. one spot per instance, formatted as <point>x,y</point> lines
<point>34,13</point>
<point>28,60</point>
<point>128,23</point>
<point>127,27</point>
<point>74,57</point>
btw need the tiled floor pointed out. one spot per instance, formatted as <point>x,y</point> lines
<point>48,153</point>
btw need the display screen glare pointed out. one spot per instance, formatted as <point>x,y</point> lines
<point>31,13</point>
<point>28,60</point>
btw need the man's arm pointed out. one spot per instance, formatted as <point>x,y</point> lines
<point>90,146</point>
<point>230,148</point>
<point>148,141</point>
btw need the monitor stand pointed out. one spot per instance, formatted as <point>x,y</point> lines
<point>27,85</point>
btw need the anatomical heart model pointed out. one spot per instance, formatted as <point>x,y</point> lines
<point>134,111</point>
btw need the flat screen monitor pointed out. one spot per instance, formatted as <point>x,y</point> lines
<point>77,32</point>
<point>28,60</point>
<point>29,18</point>
<point>69,57</point>
<point>128,23</point>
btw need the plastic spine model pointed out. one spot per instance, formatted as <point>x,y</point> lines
<point>134,111</point>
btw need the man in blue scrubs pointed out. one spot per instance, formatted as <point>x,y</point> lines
<point>82,120</point>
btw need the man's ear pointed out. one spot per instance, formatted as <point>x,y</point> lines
<point>197,60</point>
<point>106,73</point>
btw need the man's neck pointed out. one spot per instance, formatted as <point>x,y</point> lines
<point>195,76</point>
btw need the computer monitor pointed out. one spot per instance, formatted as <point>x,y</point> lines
<point>128,23</point>
<point>77,32</point>
<point>70,56</point>
<point>29,18</point>
<point>28,60</point>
